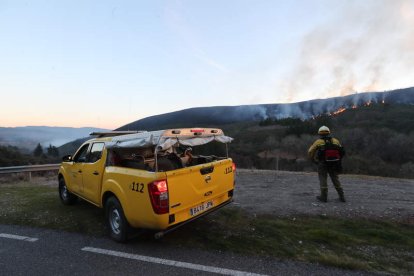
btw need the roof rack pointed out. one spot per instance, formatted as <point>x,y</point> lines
<point>114,133</point>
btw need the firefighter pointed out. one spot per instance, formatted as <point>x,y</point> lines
<point>327,153</point>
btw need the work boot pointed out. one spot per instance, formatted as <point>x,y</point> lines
<point>342,197</point>
<point>323,197</point>
<point>341,194</point>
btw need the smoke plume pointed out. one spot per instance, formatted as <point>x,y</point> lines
<point>369,47</point>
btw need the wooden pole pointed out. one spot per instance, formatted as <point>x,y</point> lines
<point>277,161</point>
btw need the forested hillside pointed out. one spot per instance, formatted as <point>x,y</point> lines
<point>379,140</point>
<point>12,156</point>
<point>219,115</point>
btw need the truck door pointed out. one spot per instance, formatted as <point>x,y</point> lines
<point>77,169</point>
<point>92,172</point>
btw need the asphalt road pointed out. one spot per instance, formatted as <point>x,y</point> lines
<point>33,251</point>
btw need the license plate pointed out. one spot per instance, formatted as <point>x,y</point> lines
<point>201,208</point>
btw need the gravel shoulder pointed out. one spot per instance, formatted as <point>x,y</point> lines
<point>285,193</point>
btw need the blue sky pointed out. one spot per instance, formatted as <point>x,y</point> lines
<point>107,63</point>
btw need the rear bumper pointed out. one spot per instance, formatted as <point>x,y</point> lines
<point>160,234</point>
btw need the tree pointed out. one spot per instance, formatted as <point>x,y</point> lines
<point>11,156</point>
<point>270,144</point>
<point>38,151</point>
<point>52,151</point>
<point>291,146</point>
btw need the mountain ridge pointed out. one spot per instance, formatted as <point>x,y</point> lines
<point>218,115</point>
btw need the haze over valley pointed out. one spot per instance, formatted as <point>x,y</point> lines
<point>26,138</point>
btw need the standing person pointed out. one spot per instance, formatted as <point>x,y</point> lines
<point>327,152</point>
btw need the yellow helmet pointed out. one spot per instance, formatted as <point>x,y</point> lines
<point>324,130</point>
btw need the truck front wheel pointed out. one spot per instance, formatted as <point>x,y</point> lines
<point>116,221</point>
<point>66,197</point>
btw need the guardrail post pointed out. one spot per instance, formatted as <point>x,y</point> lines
<point>30,176</point>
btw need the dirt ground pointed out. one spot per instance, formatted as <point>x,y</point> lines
<point>294,193</point>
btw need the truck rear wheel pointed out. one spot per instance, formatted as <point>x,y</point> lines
<point>66,197</point>
<point>116,221</point>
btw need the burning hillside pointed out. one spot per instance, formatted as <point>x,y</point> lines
<point>334,106</point>
<point>345,108</point>
<point>219,115</point>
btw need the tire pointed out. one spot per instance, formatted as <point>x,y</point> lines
<point>117,224</point>
<point>66,197</point>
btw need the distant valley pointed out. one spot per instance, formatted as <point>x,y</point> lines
<point>26,138</point>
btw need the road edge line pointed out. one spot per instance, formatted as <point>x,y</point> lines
<point>213,269</point>
<point>17,237</point>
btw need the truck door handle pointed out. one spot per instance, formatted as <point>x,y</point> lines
<point>95,173</point>
<point>80,171</point>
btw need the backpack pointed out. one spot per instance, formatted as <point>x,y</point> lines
<point>330,154</point>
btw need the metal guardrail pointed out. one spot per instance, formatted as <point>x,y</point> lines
<point>29,169</point>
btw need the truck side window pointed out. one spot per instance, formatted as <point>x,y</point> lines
<point>81,155</point>
<point>96,152</point>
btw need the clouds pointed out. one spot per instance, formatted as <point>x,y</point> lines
<point>367,47</point>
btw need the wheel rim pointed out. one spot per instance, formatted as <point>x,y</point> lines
<point>115,221</point>
<point>64,191</point>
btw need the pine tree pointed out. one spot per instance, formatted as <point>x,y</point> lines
<point>52,151</point>
<point>38,151</point>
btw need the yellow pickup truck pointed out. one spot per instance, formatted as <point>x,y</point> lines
<point>153,180</point>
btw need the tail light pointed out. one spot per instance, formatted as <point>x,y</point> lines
<point>233,167</point>
<point>158,191</point>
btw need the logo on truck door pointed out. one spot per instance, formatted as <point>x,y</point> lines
<point>207,179</point>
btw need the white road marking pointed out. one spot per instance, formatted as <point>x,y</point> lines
<point>16,237</point>
<point>142,258</point>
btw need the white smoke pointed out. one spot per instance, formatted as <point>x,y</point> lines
<point>368,47</point>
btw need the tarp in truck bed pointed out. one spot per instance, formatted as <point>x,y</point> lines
<point>163,141</point>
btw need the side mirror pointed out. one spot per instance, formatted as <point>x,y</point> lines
<point>67,158</point>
